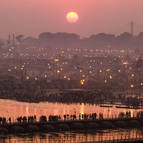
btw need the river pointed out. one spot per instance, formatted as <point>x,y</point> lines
<point>13,109</point>
<point>73,137</point>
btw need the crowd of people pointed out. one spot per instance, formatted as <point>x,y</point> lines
<point>65,117</point>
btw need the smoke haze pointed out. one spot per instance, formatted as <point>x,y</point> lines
<point>31,17</point>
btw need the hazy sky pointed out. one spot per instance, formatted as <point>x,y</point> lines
<point>32,17</point>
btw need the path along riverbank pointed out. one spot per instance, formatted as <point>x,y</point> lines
<point>69,125</point>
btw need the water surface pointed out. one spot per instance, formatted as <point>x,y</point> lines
<point>9,108</point>
<point>13,109</point>
<point>73,137</point>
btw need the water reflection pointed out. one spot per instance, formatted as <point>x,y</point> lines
<point>14,109</point>
<point>73,137</point>
<point>82,108</point>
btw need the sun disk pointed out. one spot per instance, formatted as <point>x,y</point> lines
<point>72,17</point>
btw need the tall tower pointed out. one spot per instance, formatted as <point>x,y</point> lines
<point>9,39</point>
<point>132,28</point>
<point>13,40</point>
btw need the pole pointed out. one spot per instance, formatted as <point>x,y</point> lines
<point>132,28</point>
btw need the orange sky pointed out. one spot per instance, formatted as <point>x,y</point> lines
<point>31,17</point>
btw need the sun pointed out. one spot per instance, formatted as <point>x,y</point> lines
<point>72,17</point>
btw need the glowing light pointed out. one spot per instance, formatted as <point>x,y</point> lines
<point>82,82</point>
<point>108,70</point>
<point>27,77</point>
<point>72,17</point>
<point>132,75</point>
<point>110,77</point>
<point>15,67</point>
<point>36,78</point>
<point>56,60</point>
<point>141,83</point>
<point>9,70</point>
<point>132,86</point>
<point>65,77</point>
<point>125,63</point>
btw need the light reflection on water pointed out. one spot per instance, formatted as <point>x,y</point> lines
<point>71,137</point>
<point>14,109</point>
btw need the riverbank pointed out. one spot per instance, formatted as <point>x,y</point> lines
<point>61,96</point>
<point>70,96</point>
<point>70,125</point>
